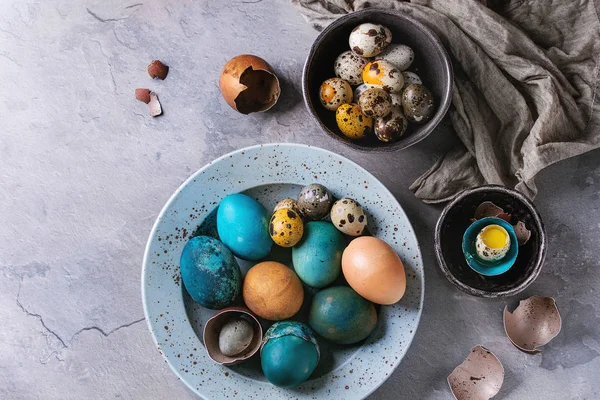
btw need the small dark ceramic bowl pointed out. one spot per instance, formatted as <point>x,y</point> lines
<point>431,63</point>
<point>454,221</point>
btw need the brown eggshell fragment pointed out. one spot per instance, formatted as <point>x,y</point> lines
<point>535,322</point>
<point>157,69</point>
<point>523,234</point>
<point>487,209</point>
<point>505,216</point>
<point>142,95</point>
<point>479,377</point>
<point>212,329</point>
<point>154,104</point>
<point>248,84</point>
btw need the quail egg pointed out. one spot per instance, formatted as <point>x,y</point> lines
<point>384,74</point>
<point>335,92</point>
<point>360,89</point>
<point>348,217</point>
<point>396,99</point>
<point>400,55</point>
<point>492,243</point>
<point>391,127</point>
<point>368,40</point>
<point>286,227</point>
<point>375,102</point>
<point>287,203</point>
<point>349,66</point>
<point>417,103</point>
<point>314,201</point>
<point>352,122</point>
<point>410,78</point>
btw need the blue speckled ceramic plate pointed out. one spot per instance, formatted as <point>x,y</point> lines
<point>270,173</point>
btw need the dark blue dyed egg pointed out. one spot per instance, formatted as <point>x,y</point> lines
<point>317,257</point>
<point>210,273</point>
<point>243,226</point>
<point>341,315</point>
<point>289,353</point>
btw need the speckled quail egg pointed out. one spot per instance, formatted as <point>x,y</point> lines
<point>352,122</point>
<point>417,103</point>
<point>360,89</point>
<point>286,227</point>
<point>400,55</point>
<point>391,127</point>
<point>384,74</point>
<point>287,203</point>
<point>368,40</point>
<point>492,243</point>
<point>396,99</point>
<point>348,217</point>
<point>349,66</point>
<point>314,201</point>
<point>375,102</point>
<point>334,92</point>
<point>410,78</point>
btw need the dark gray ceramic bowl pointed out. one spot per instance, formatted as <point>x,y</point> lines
<point>431,63</point>
<point>455,219</point>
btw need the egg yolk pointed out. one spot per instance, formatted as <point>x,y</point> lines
<point>494,237</point>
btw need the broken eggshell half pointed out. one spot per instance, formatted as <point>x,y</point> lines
<point>535,322</point>
<point>212,330</point>
<point>248,84</point>
<point>488,209</point>
<point>479,377</point>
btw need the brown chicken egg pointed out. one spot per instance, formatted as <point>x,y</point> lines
<point>248,84</point>
<point>374,270</point>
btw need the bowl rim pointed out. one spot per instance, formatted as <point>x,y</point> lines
<point>541,256</point>
<point>445,101</point>
<point>207,165</point>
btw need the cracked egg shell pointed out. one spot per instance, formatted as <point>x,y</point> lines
<point>349,67</point>
<point>479,377</point>
<point>368,40</point>
<point>249,84</point>
<point>212,332</point>
<point>487,209</point>
<point>523,234</point>
<point>385,74</point>
<point>535,322</point>
<point>334,92</point>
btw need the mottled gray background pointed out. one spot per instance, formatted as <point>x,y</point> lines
<point>84,171</point>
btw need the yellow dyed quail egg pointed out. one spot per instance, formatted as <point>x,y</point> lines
<point>286,227</point>
<point>385,74</point>
<point>400,55</point>
<point>349,66</point>
<point>375,102</point>
<point>368,40</point>
<point>492,243</point>
<point>334,92</point>
<point>352,122</point>
<point>348,217</point>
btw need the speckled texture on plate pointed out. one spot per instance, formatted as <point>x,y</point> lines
<point>270,173</point>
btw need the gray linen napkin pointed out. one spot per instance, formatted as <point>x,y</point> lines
<point>526,77</point>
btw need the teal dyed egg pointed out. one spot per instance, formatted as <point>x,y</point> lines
<point>243,226</point>
<point>289,353</point>
<point>340,315</point>
<point>317,258</point>
<point>210,273</point>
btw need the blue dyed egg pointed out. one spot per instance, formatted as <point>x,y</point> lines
<point>289,353</point>
<point>317,258</point>
<point>340,315</point>
<point>210,273</point>
<point>243,226</point>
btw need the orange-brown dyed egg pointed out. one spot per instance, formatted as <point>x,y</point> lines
<point>374,270</point>
<point>272,291</point>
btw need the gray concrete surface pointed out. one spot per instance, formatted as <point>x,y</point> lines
<point>84,171</point>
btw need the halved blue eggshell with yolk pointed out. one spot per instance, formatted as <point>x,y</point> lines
<point>470,252</point>
<point>289,353</point>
